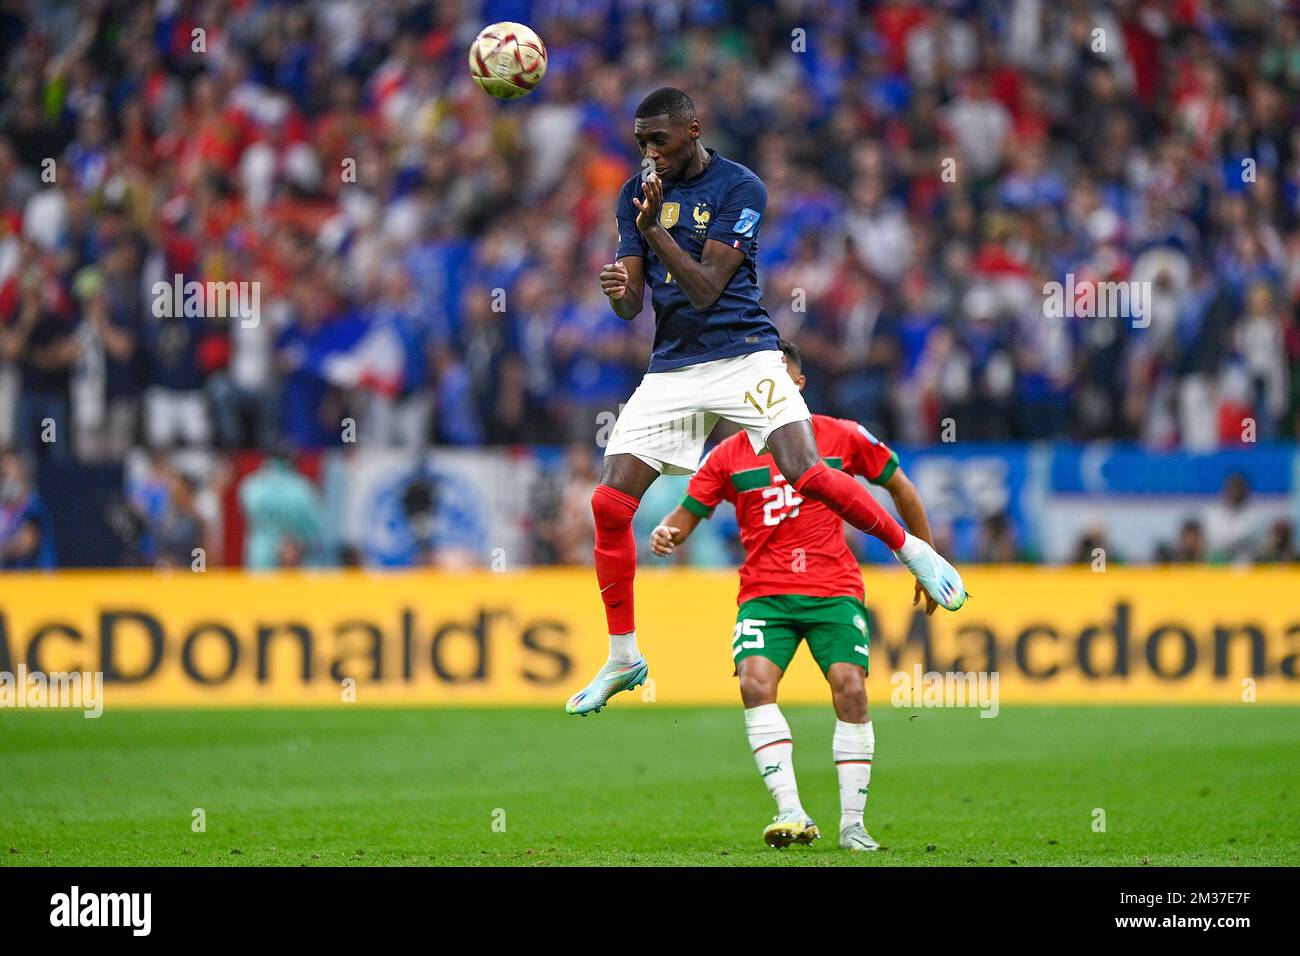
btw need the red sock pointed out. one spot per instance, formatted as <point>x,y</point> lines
<point>615,555</point>
<point>842,494</point>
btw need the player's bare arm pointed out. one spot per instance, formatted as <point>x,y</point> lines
<point>912,510</point>
<point>675,528</point>
<point>623,282</point>
<point>702,281</point>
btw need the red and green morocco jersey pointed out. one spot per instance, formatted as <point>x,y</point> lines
<point>792,545</point>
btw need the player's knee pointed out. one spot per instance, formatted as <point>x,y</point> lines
<point>757,689</point>
<point>612,510</point>
<point>851,706</point>
<point>849,692</point>
<point>847,679</point>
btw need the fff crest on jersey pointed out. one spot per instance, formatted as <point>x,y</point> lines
<point>701,215</point>
<point>669,214</point>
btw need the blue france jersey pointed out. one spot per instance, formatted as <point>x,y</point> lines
<point>725,202</point>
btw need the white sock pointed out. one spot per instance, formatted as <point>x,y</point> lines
<point>769,739</point>
<point>912,546</point>
<point>854,748</point>
<point>622,648</point>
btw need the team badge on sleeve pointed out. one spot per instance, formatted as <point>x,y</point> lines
<point>747,221</point>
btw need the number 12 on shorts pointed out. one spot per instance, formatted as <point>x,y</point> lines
<point>749,627</point>
<point>772,401</point>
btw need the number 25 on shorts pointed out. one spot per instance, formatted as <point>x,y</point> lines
<point>749,627</point>
<point>772,401</point>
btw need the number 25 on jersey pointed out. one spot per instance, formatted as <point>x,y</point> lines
<point>782,503</point>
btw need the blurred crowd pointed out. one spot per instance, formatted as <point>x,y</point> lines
<point>1232,529</point>
<point>1228,531</point>
<point>425,258</point>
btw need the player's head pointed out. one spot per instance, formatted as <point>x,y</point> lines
<point>667,130</point>
<point>793,362</point>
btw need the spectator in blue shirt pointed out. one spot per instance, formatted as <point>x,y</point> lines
<point>26,529</point>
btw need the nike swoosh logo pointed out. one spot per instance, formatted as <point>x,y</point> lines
<point>607,587</point>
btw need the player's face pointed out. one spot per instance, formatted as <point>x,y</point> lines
<point>667,141</point>
<point>796,375</point>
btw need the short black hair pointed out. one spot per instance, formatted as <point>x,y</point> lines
<point>669,100</point>
<point>791,352</point>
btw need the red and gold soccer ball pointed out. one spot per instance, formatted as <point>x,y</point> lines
<point>507,60</point>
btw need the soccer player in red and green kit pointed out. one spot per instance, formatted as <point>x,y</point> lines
<point>800,582</point>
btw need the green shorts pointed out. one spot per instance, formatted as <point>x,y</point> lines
<point>772,627</point>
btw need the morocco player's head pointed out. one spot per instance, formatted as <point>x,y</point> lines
<point>793,362</point>
<point>668,131</point>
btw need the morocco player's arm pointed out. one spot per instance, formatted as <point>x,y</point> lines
<point>708,486</point>
<point>672,531</point>
<point>910,507</point>
<point>873,460</point>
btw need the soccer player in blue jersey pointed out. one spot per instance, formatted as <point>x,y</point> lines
<point>689,228</point>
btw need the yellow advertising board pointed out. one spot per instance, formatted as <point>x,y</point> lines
<point>228,638</point>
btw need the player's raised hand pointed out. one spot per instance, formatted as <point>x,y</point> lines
<point>614,279</point>
<point>647,210</point>
<point>930,603</point>
<point>663,540</point>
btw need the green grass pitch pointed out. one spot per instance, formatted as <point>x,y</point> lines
<point>643,786</point>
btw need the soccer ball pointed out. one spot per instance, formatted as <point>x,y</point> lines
<point>507,60</point>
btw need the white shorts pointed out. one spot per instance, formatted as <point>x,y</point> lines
<point>669,417</point>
